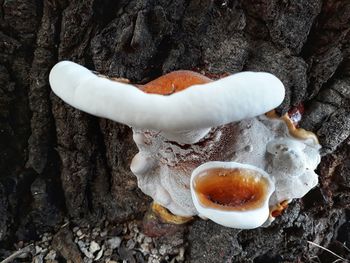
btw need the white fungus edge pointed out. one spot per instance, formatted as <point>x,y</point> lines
<point>233,98</point>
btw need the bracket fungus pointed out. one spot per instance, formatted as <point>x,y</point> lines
<point>206,147</point>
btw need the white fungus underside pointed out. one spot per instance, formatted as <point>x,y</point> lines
<point>167,180</point>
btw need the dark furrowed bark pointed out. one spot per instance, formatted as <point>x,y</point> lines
<point>56,161</point>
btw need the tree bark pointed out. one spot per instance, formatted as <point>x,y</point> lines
<point>57,162</point>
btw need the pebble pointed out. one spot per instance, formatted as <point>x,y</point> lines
<point>145,249</point>
<point>108,252</point>
<point>104,245</point>
<point>114,242</point>
<point>51,255</point>
<point>79,233</point>
<point>83,249</point>
<point>181,256</point>
<point>140,238</point>
<point>130,244</point>
<point>103,233</point>
<point>125,230</point>
<point>87,253</point>
<point>100,253</point>
<point>154,251</point>
<point>162,250</point>
<point>153,260</point>
<point>38,259</point>
<point>88,260</point>
<point>148,240</point>
<point>94,247</point>
<point>39,250</point>
<point>81,244</point>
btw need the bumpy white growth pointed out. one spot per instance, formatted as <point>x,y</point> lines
<point>197,108</point>
<point>262,142</point>
<point>164,126</point>
<point>246,219</point>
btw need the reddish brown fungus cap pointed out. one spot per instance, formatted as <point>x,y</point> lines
<point>174,82</point>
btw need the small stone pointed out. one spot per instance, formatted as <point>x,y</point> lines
<point>87,253</point>
<point>145,249</point>
<point>130,244</point>
<point>100,253</point>
<point>103,233</point>
<point>88,260</point>
<point>162,250</point>
<point>148,240</point>
<point>38,250</point>
<point>125,230</point>
<point>181,256</point>
<point>82,247</point>
<point>154,251</point>
<point>51,255</point>
<point>38,259</point>
<point>114,242</point>
<point>81,244</point>
<point>140,238</point>
<point>94,247</point>
<point>95,232</point>
<point>108,252</point>
<point>79,233</point>
<point>75,229</point>
<point>136,229</point>
<point>153,260</point>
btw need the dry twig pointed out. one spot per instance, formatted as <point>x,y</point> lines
<point>329,251</point>
<point>18,253</point>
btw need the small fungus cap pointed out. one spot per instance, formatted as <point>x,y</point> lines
<point>201,106</point>
<point>232,194</point>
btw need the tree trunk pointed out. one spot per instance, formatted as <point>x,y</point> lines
<point>57,162</point>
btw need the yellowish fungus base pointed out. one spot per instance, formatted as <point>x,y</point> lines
<point>167,216</point>
<point>298,133</point>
